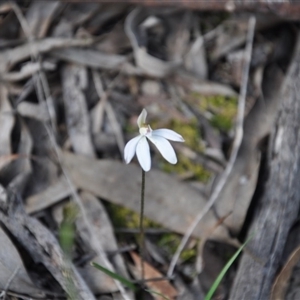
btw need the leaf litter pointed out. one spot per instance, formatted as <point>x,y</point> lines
<point>73,79</point>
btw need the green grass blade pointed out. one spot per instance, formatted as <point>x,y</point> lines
<point>113,275</point>
<point>224,270</point>
<point>158,294</point>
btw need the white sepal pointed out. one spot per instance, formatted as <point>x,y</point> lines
<point>168,134</point>
<point>130,148</point>
<point>143,154</point>
<point>165,148</point>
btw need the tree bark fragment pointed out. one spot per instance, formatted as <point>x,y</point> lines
<point>278,206</point>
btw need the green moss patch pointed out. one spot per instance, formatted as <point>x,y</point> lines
<point>123,217</point>
<point>170,242</point>
<point>193,140</point>
<point>189,131</point>
<point>222,109</point>
<point>185,165</point>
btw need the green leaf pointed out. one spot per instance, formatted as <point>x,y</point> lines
<point>224,271</point>
<point>113,275</point>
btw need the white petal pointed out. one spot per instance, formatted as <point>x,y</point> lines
<point>143,154</point>
<point>168,134</point>
<point>130,148</point>
<point>142,118</point>
<point>164,147</point>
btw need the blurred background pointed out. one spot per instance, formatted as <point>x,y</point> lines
<point>74,77</point>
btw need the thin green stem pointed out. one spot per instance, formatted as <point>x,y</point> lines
<point>142,233</point>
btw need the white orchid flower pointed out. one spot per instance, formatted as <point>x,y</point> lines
<point>139,145</point>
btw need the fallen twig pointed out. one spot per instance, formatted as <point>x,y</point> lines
<point>105,105</point>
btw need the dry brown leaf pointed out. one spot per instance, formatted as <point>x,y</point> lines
<point>98,111</point>
<point>13,275</point>
<point>114,42</point>
<point>55,192</point>
<point>230,36</point>
<point>74,80</point>
<point>195,59</point>
<point>77,13</point>
<point>6,159</point>
<point>281,283</point>
<point>98,281</point>
<point>5,7</point>
<point>7,121</point>
<point>149,64</point>
<point>39,16</point>
<point>45,169</point>
<point>24,149</point>
<point>178,39</point>
<point>33,110</point>
<point>8,58</point>
<point>169,201</point>
<point>160,286</point>
<point>19,168</point>
<point>28,70</point>
<point>91,58</point>
<point>192,84</point>
<point>40,243</point>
